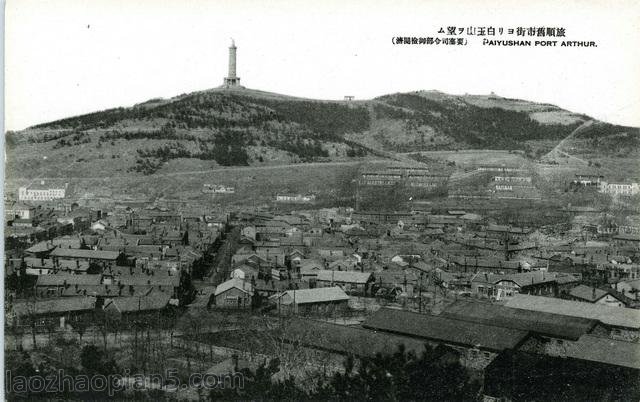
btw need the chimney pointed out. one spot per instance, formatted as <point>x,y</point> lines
<point>593,293</point>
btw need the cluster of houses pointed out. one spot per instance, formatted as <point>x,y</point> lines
<point>493,297</point>
<point>132,268</point>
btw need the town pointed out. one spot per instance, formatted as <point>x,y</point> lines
<point>229,284</point>
<point>344,272</point>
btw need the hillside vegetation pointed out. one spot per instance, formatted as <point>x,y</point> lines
<point>242,127</point>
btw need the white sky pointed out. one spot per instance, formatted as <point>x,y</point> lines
<point>66,57</point>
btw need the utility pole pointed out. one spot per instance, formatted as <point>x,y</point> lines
<point>420,293</point>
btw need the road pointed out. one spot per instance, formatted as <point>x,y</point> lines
<point>557,150</point>
<point>223,169</point>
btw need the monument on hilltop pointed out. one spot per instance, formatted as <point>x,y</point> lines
<point>231,80</point>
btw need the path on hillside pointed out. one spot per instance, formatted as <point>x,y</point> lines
<point>557,150</point>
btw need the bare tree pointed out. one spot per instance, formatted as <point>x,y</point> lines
<point>32,317</point>
<point>81,325</point>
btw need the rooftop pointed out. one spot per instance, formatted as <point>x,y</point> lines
<point>605,350</point>
<point>90,254</point>
<point>68,279</point>
<point>154,301</point>
<point>444,329</point>
<point>614,316</point>
<point>553,325</point>
<point>234,283</point>
<point>53,306</point>
<point>343,276</point>
<point>316,295</point>
<point>588,293</point>
<point>348,339</point>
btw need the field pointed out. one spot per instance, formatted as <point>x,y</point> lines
<point>475,157</point>
<point>255,185</point>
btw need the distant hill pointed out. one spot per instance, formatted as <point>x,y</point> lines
<point>249,127</point>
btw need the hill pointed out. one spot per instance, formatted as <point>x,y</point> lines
<point>246,127</point>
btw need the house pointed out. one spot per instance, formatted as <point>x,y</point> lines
<point>63,311</point>
<point>40,249</point>
<point>46,266</point>
<point>270,287</point>
<point>350,281</point>
<point>234,293</point>
<point>330,253</point>
<point>309,268</point>
<point>504,230</point>
<point>245,271</point>
<point>496,286</point>
<point>274,256</point>
<point>103,258</point>
<point>344,264</point>
<point>294,258</point>
<point>19,210</point>
<point>318,301</point>
<point>54,285</point>
<point>406,281</point>
<point>607,297</point>
<point>629,288</point>
<point>23,223</point>
<point>99,225</point>
<point>249,232</point>
<point>486,264</point>
<point>478,343</point>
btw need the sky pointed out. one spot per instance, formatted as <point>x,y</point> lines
<point>68,57</point>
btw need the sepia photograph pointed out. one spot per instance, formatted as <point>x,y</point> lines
<point>420,200</point>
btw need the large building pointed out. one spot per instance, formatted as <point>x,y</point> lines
<point>619,188</point>
<point>41,192</point>
<point>407,175</point>
<point>298,198</point>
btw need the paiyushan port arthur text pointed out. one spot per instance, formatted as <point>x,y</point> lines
<point>545,43</point>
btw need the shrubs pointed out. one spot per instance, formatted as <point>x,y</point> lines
<point>489,128</point>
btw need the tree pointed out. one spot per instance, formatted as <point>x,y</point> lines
<point>186,290</point>
<point>106,322</point>
<point>94,361</point>
<point>435,375</point>
<point>17,331</point>
<point>403,376</point>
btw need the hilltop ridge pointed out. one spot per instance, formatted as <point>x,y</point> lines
<point>248,127</point>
